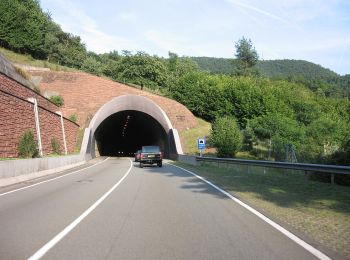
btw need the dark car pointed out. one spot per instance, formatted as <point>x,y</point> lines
<point>151,155</point>
<point>137,155</point>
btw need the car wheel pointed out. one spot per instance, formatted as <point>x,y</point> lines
<point>141,165</point>
<point>159,164</point>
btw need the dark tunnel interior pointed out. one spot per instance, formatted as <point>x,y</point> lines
<point>125,132</point>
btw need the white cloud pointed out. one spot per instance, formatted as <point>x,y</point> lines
<point>74,20</point>
<point>255,9</point>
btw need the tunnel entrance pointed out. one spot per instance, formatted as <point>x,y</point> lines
<point>124,124</point>
<point>125,132</point>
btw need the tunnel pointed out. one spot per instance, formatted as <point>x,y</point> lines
<point>126,123</point>
<point>125,132</point>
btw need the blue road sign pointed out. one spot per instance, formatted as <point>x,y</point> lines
<point>201,143</point>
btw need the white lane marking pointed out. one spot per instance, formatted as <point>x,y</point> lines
<point>42,251</point>
<point>284,231</point>
<point>59,177</point>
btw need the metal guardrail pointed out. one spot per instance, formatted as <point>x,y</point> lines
<point>333,169</point>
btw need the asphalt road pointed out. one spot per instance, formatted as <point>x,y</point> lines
<point>150,213</point>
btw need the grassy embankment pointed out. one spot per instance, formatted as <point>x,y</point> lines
<point>30,61</point>
<point>319,210</point>
<point>203,129</point>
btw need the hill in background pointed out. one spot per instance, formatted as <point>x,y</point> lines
<point>311,74</point>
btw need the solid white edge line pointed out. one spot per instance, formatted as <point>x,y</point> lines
<point>43,250</point>
<point>284,231</point>
<point>59,177</point>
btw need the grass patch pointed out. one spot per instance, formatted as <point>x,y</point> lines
<point>189,137</point>
<point>30,61</point>
<point>320,210</point>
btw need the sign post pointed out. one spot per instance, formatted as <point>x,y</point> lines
<point>201,145</point>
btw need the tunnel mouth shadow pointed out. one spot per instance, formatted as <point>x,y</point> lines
<point>123,133</point>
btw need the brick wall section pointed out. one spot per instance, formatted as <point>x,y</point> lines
<point>13,87</point>
<point>17,116</point>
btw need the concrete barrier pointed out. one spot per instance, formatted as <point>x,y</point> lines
<point>189,159</point>
<point>14,171</point>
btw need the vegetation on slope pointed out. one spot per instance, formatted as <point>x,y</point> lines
<point>276,105</point>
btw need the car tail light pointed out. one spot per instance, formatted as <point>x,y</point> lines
<point>142,156</point>
<point>161,155</point>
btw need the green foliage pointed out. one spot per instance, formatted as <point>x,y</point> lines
<point>142,69</point>
<point>57,100</point>
<point>315,77</point>
<point>295,102</point>
<point>202,94</point>
<point>92,66</point>
<point>56,146</point>
<point>215,65</point>
<point>22,24</point>
<point>342,156</point>
<point>25,28</point>
<point>73,118</point>
<point>27,146</point>
<point>247,58</point>
<point>226,136</point>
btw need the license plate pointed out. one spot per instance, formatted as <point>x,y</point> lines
<point>150,156</point>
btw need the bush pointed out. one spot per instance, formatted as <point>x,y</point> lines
<point>91,65</point>
<point>226,136</point>
<point>73,118</point>
<point>27,146</point>
<point>56,147</point>
<point>57,100</point>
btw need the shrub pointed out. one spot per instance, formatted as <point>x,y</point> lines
<point>57,100</point>
<point>91,65</point>
<point>226,136</point>
<point>73,118</point>
<point>27,146</point>
<point>56,147</point>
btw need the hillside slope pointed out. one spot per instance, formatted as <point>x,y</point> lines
<point>84,94</point>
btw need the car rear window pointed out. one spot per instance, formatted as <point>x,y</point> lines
<point>150,149</point>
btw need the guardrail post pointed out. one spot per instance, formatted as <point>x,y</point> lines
<point>332,178</point>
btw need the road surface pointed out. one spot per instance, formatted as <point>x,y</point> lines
<point>116,210</point>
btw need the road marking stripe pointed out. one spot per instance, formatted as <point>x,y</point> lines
<point>42,251</point>
<point>33,185</point>
<point>284,231</point>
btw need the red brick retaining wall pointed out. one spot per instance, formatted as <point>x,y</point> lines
<point>17,116</point>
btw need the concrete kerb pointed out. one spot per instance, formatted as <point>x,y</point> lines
<point>15,171</point>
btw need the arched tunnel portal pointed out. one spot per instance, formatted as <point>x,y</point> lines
<point>125,124</point>
<point>122,133</point>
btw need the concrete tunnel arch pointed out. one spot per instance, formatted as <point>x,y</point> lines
<point>149,119</point>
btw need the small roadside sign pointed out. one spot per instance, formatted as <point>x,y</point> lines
<point>201,145</point>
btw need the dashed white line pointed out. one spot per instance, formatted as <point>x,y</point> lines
<point>284,231</point>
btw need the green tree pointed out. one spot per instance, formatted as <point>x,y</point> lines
<point>203,95</point>
<point>226,136</point>
<point>22,26</point>
<point>247,97</point>
<point>279,131</point>
<point>142,69</point>
<point>92,65</point>
<point>247,57</point>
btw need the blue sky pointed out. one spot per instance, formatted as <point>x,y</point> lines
<point>312,30</point>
